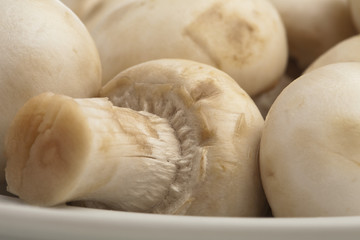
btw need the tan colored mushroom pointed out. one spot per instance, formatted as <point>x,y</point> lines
<point>310,147</point>
<point>44,47</point>
<point>244,38</point>
<point>314,26</point>
<point>181,138</point>
<point>345,51</point>
<point>354,6</point>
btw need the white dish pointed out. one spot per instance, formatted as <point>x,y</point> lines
<point>21,221</point>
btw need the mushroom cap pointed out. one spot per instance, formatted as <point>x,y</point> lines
<point>345,51</point>
<point>310,147</point>
<point>355,13</point>
<point>44,47</point>
<point>217,124</point>
<point>237,36</point>
<point>314,26</point>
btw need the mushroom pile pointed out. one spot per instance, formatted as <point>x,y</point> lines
<point>209,108</point>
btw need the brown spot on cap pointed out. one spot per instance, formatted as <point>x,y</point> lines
<point>205,89</point>
<point>224,35</point>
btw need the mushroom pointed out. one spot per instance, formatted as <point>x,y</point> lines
<point>44,47</point>
<point>178,137</point>
<point>354,6</point>
<point>237,36</point>
<point>314,26</point>
<point>345,51</point>
<point>310,146</point>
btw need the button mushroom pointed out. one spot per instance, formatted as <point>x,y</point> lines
<point>178,137</point>
<point>44,47</point>
<point>310,147</point>
<point>237,36</point>
<point>314,26</point>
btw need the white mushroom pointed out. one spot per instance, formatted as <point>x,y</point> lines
<point>310,147</point>
<point>345,51</point>
<point>44,47</point>
<point>314,26</point>
<point>182,138</point>
<point>244,38</point>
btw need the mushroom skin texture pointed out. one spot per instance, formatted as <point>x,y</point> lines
<point>310,146</point>
<point>314,26</point>
<point>44,47</point>
<point>355,13</point>
<point>205,161</point>
<point>345,51</point>
<point>237,36</point>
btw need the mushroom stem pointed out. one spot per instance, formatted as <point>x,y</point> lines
<point>63,149</point>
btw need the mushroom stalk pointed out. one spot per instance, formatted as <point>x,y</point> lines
<point>88,149</point>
